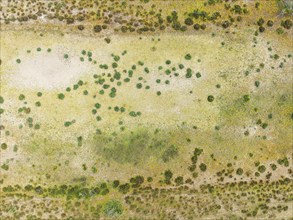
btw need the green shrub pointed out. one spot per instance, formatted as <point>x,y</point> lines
<point>246,98</point>
<point>112,208</point>
<point>239,171</point>
<point>179,180</point>
<point>124,188</point>
<point>168,176</point>
<point>285,6</point>
<point>61,96</point>
<point>97,28</point>
<point>188,73</point>
<point>116,183</point>
<point>3,146</point>
<point>262,169</point>
<point>170,153</point>
<point>203,167</point>
<point>137,181</point>
<point>21,97</point>
<point>210,98</point>
<point>187,56</point>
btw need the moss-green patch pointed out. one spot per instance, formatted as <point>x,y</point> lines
<point>135,146</point>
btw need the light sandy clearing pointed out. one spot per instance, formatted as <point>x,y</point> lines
<point>48,71</point>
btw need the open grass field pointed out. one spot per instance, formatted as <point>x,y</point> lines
<point>146,109</point>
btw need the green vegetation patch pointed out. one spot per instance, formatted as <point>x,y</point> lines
<point>135,146</point>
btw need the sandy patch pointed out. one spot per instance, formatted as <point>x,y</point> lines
<point>48,71</point>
